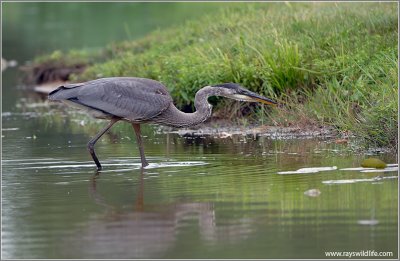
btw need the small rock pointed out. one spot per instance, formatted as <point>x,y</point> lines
<point>373,163</point>
<point>341,141</point>
<point>224,135</point>
<point>312,192</point>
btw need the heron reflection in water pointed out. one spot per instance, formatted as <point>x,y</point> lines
<point>146,229</point>
<point>140,100</point>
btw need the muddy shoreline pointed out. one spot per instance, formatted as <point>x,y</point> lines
<point>218,128</point>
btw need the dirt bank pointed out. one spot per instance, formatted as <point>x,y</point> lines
<point>218,128</point>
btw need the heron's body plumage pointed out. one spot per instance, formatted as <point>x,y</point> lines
<point>131,99</point>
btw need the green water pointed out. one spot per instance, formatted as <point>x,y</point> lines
<point>199,198</point>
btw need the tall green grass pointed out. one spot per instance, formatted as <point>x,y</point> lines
<point>328,63</point>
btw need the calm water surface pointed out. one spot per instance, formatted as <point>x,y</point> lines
<point>199,198</point>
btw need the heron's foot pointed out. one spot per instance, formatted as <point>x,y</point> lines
<point>145,164</point>
<point>95,175</point>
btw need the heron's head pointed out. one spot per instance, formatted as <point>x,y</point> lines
<point>237,92</point>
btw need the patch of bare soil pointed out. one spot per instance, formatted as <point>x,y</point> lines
<point>226,129</point>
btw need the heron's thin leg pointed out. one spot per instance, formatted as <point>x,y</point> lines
<point>93,141</point>
<point>136,127</point>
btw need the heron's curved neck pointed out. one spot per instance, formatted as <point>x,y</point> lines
<point>176,118</point>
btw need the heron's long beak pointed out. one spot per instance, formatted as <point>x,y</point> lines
<point>254,97</point>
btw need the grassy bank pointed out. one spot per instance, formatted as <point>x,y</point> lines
<point>329,64</point>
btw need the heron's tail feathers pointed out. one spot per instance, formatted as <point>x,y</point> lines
<point>64,92</point>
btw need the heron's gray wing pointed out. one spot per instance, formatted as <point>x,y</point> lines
<point>134,99</point>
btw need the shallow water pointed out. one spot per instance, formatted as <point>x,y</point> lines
<point>199,198</point>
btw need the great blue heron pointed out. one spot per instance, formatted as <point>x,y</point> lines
<point>140,100</point>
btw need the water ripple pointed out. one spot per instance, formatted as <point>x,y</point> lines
<point>47,164</point>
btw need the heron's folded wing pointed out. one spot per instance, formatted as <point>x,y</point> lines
<point>129,98</point>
